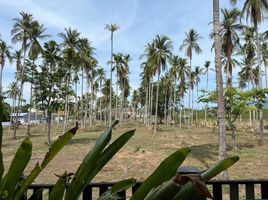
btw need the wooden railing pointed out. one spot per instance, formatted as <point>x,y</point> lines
<point>229,189</point>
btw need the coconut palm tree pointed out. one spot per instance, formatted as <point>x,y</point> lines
<point>219,83</point>
<point>4,55</point>
<point>70,44</point>
<point>123,73</point>
<point>100,78</point>
<point>256,10</point>
<point>21,33</point>
<point>183,73</point>
<point>206,67</point>
<point>174,62</point>
<point>230,27</point>
<point>37,32</point>
<point>112,28</point>
<point>163,46</point>
<point>147,78</point>
<point>13,93</point>
<point>118,65</point>
<point>190,44</point>
<point>198,71</point>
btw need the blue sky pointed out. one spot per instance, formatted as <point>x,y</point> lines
<point>139,20</point>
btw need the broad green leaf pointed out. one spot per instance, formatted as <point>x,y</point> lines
<point>118,187</point>
<point>206,176</point>
<point>110,151</point>
<point>53,151</point>
<point>59,188</point>
<point>17,166</point>
<point>58,145</point>
<point>166,170</point>
<point>167,190</point>
<point>34,173</point>
<point>84,172</point>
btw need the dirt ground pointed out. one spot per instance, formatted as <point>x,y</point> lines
<point>144,152</point>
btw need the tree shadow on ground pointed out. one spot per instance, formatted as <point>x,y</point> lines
<point>19,137</point>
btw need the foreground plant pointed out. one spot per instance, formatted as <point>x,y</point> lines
<point>161,184</point>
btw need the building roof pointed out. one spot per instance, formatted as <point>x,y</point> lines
<point>19,114</point>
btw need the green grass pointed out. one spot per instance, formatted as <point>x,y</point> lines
<point>144,152</point>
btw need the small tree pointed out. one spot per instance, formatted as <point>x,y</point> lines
<point>48,87</point>
<point>236,103</point>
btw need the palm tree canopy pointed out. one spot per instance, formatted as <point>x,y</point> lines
<point>36,33</point>
<point>4,53</point>
<point>190,43</point>
<point>112,27</point>
<point>163,50</point>
<point>21,29</point>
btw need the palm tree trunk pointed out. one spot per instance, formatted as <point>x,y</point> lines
<point>151,106</point>
<point>206,109</point>
<point>100,103</point>
<point>174,101</point>
<point>1,76</point>
<point>260,86</point>
<point>49,128</point>
<point>111,83</point>
<point>156,103</point>
<point>266,80</point>
<point>82,100</point>
<point>146,107</point>
<point>189,107</point>
<point>21,91</point>
<point>66,108</point>
<point>219,81</point>
<point>29,112</point>
<point>196,111</point>
<point>116,98</point>
<point>192,110</point>
<point>91,102</point>
<point>181,102</point>
<point>165,108</point>
<point>189,102</point>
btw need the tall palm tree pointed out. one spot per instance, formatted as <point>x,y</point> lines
<point>4,55</point>
<point>198,71</point>
<point>256,10</point>
<point>230,27</point>
<point>206,67</point>
<point>21,33</point>
<point>264,49</point>
<point>37,32</point>
<point>123,80</point>
<point>13,93</point>
<point>112,28</point>
<point>163,47</point>
<point>70,44</point>
<point>174,62</point>
<point>100,78</point>
<point>118,65</point>
<point>147,78</point>
<point>219,83</point>
<point>183,73</point>
<point>86,51</point>
<point>190,44</point>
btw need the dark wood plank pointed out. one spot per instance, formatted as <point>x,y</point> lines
<point>234,195</point>
<point>250,191</point>
<point>264,190</point>
<point>123,195</point>
<point>217,191</point>
<point>103,189</point>
<point>87,193</point>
